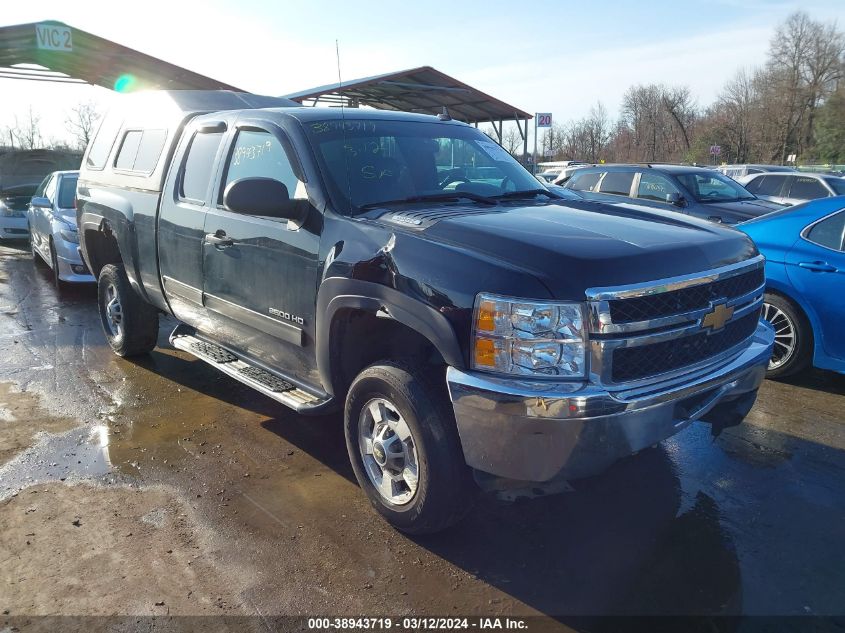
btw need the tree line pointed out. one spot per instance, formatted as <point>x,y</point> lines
<point>26,131</point>
<point>793,104</point>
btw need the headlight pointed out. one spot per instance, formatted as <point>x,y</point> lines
<point>513,336</point>
<point>6,212</point>
<point>70,234</point>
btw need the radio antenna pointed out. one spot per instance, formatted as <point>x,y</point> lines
<point>343,127</point>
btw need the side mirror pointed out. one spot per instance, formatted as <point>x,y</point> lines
<point>260,196</point>
<point>41,202</point>
<point>675,198</point>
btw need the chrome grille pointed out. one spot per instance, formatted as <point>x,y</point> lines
<point>649,333</point>
<point>635,363</point>
<point>685,299</point>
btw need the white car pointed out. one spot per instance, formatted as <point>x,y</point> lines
<point>52,225</point>
<point>13,204</point>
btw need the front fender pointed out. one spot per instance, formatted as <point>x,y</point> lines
<point>337,293</point>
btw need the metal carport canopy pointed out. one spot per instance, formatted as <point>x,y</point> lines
<point>424,89</point>
<point>77,56</point>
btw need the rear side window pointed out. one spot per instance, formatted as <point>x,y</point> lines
<point>98,151</point>
<point>830,232</point>
<point>584,181</point>
<point>768,185</point>
<point>617,183</point>
<point>140,150</point>
<point>196,173</point>
<point>806,188</point>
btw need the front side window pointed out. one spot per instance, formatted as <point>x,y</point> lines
<point>67,192</point>
<point>40,191</point>
<point>830,232</point>
<point>654,186</point>
<point>713,187</point>
<point>837,184</point>
<point>584,181</point>
<point>807,188</point>
<point>50,190</point>
<point>196,172</point>
<point>769,186</point>
<point>259,154</point>
<point>368,162</point>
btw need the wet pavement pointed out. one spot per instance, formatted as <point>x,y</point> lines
<point>266,512</point>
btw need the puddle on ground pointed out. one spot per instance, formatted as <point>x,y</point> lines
<point>78,454</point>
<point>21,418</point>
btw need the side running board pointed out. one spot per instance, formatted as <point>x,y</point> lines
<point>270,384</point>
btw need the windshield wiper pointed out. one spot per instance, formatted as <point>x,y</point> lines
<point>431,197</point>
<point>528,193</point>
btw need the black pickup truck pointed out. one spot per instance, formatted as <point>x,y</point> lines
<point>476,329</point>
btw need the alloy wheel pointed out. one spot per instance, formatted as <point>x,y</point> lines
<point>389,451</point>
<point>784,348</point>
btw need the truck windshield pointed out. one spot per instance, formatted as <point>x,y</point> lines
<point>367,162</point>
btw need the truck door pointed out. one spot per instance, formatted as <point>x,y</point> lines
<point>260,273</point>
<point>181,221</point>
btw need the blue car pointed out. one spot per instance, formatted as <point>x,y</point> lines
<point>804,247</point>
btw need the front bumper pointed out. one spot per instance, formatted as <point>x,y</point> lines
<point>535,431</point>
<point>13,228</point>
<point>71,266</point>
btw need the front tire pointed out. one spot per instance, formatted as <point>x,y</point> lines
<point>129,323</point>
<point>793,349</point>
<point>404,448</point>
<point>54,262</point>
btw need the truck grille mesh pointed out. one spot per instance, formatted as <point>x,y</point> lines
<point>684,300</point>
<point>635,363</point>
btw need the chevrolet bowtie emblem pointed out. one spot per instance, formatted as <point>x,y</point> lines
<point>717,317</point>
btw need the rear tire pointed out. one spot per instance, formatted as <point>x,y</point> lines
<point>793,350</point>
<point>129,323</point>
<point>405,420</point>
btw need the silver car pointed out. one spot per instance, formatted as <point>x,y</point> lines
<point>794,188</point>
<point>52,224</point>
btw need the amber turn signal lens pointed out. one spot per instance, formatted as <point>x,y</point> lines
<point>485,353</point>
<point>485,317</point>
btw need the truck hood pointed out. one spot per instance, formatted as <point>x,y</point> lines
<point>571,246</point>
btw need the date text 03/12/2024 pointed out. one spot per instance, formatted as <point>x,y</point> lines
<point>417,624</point>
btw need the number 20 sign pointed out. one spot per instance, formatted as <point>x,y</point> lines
<point>544,119</point>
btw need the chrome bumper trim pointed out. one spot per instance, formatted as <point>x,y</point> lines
<point>537,431</point>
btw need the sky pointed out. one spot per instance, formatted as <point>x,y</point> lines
<point>559,57</point>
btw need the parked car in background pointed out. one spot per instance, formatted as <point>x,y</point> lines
<point>704,193</point>
<point>804,247</point>
<point>547,176</point>
<point>566,173</point>
<point>789,189</point>
<point>741,171</point>
<point>20,173</point>
<point>13,203</point>
<point>51,216</point>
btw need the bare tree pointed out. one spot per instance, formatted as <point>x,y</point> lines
<point>82,123</point>
<point>27,132</point>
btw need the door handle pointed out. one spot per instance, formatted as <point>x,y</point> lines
<point>219,239</point>
<point>818,267</point>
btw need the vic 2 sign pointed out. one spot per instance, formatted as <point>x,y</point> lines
<point>544,119</point>
<point>50,37</point>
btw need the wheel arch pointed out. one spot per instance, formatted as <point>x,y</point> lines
<point>366,321</point>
